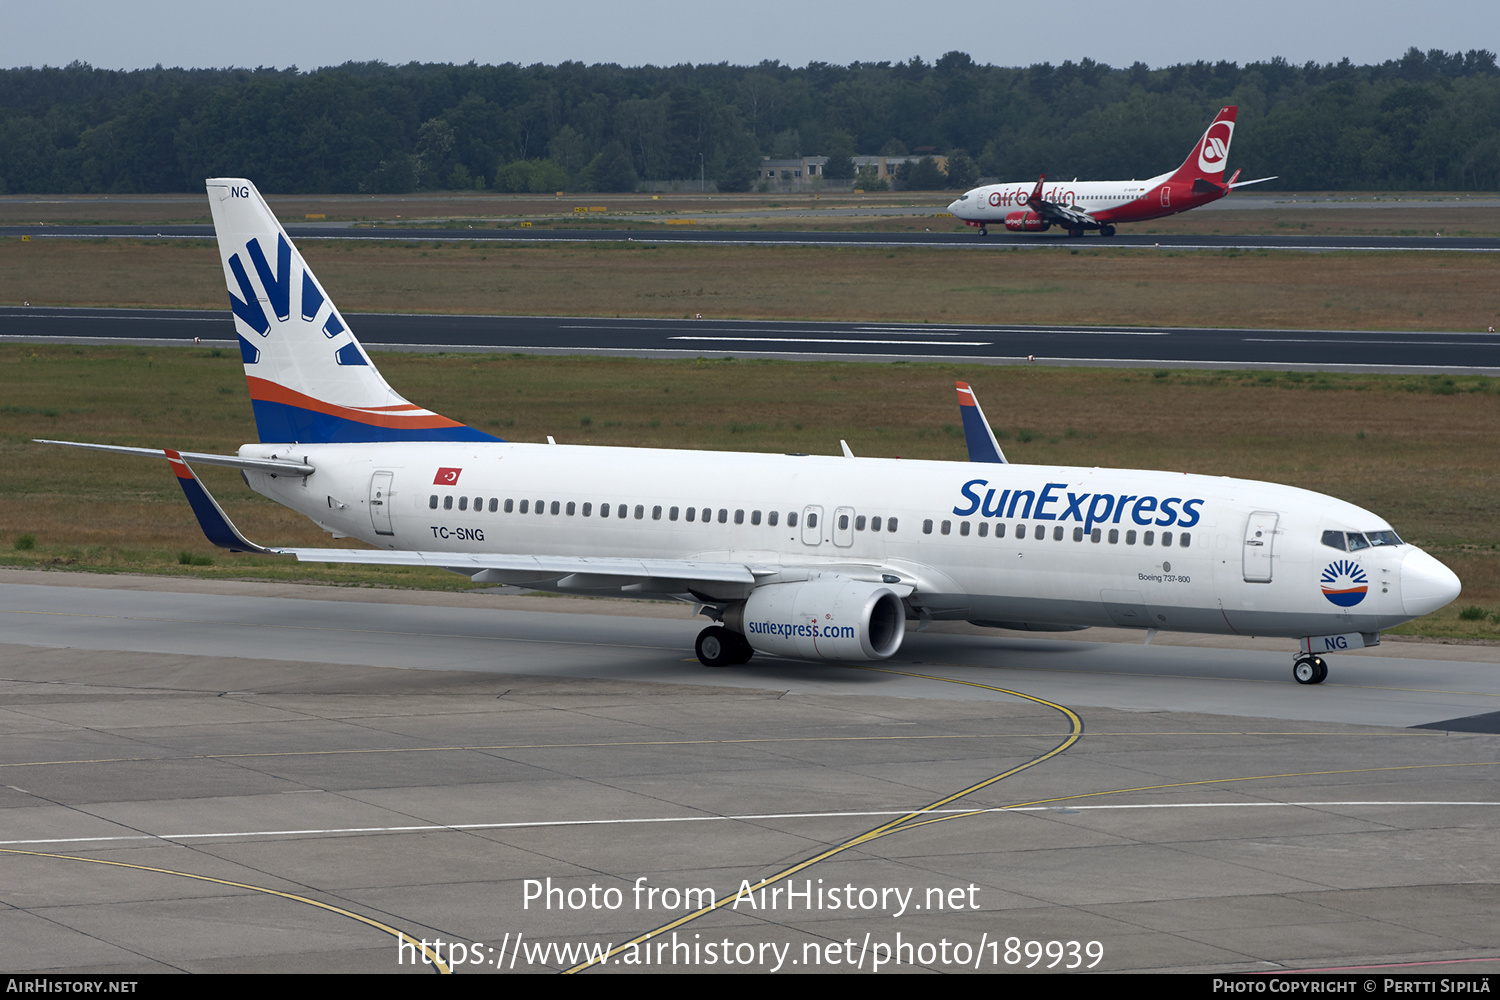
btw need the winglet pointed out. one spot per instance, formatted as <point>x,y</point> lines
<point>977,434</point>
<point>1036,192</point>
<point>211,517</point>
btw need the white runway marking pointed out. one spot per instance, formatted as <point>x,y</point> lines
<point>752,817</point>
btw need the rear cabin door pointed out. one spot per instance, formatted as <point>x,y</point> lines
<point>380,505</point>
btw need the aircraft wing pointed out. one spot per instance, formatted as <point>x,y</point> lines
<point>1058,213</point>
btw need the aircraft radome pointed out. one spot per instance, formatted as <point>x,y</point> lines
<point>1081,205</point>
<point>816,557</point>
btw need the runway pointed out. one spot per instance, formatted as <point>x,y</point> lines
<point>1334,350</point>
<point>221,776</point>
<point>968,239</point>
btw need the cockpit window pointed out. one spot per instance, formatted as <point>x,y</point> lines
<point>1357,542</point>
<point>1334,539</point>
<point>1383,537</point>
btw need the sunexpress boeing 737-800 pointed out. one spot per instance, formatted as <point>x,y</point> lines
<point>1079,205</point>
<point>819,558</point>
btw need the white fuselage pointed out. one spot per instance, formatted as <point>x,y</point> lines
<point>993,202</point>
<point>1023,546</point>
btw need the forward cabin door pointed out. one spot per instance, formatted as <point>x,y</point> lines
<point>380,506</point>
<point>1260,543</point>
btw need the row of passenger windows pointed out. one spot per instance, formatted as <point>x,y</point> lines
<point>620,510</point>
<point>1039,531</point>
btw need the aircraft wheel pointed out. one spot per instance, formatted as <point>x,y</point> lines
<point>743,651</point>
<point>1310,670</point>
<point>716,647</point>
<point>983,231</point>
<point>1106,230</point>
<point>1075,232</point>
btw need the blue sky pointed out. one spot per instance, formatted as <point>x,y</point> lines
<point>307,34</point>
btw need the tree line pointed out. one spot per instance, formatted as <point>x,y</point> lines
<point>1428,120</point>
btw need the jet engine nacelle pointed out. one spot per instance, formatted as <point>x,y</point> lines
<point>825,618</point>
<point>1026,222</point>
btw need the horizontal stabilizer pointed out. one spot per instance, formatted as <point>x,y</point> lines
<point>1258,180</point>
<point>277,467</point>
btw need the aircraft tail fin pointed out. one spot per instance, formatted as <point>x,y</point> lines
<point>977,433</point>
<point>310,380</point>
<point>1209,156</point>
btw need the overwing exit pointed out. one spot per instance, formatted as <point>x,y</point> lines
<point>805,556</point>
<point>1077,206</point>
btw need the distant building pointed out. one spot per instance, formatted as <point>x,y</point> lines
<point>800,174</point>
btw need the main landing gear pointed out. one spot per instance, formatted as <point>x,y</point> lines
<point>717,646</point>
<point>984,231</point>
<point>1106,230</point>
<point>1309,669</point>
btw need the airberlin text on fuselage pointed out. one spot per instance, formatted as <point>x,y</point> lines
<point>1088,509</point>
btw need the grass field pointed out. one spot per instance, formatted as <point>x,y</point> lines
<point>1079,283</point>
<point>1418,450</point>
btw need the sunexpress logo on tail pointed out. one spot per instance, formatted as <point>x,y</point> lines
<point>1056,503</point>
<point>277,283</point>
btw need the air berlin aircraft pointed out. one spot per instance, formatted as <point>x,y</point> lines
<point>1081,205</point>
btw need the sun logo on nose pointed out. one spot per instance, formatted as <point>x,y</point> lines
<point>1344,583</point>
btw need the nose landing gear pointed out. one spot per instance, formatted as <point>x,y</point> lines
<point>1309,669</point>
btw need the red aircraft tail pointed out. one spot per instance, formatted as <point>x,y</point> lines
<point>1208,157</point>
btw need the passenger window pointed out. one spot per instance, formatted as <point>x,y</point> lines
<point>692,514</point>
<point>1020,531</point>
<point>432,502</point>
<point>771,518</point>
<point>510,505</point>
<point>478,504</point>
<point>603,510</point>
<point>739,517</point>
<point>463,503</point>
<point>890,525</point>
<point>1166,539</point>
<point>1096,535</point>
<point>859,523</point>
<point>572,508</point>
<point>812,520</point>
<point>963,528</point>
<point>588,509</point>
<point>672,514</point>
<point>1000,530</point>
<point>984,529</point>
<point>947,527</point>
<point>1149,537</point>
<point>1183,540</point>
<point>448,502</point>
<point>1130,538</point>
<point>755,517</point>
<point>656,513</point>
<point>927,526</point>
<point>640,511</point>
<point>1114,536</point>
<point>1057,533</point>
<point>495,505</point>
<point>556,507</point>
<point>791,519</point>
<point>541,507</point>
<point>874,524</point>
<point>1077,534</point>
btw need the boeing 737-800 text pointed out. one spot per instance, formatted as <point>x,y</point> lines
<point>794,555</point>
<point>1081,205</point>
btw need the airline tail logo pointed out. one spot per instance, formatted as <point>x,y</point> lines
<point>1344,583</point>
<point>1215,147</point>
<point>278,288</point>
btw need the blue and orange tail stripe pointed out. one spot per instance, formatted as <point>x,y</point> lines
<point>283,414</point>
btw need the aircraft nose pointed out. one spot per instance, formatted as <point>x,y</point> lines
<point>1426,584</point>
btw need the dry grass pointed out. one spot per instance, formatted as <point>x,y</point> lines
<point>1088,285</point>
<point>1418,450</point>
